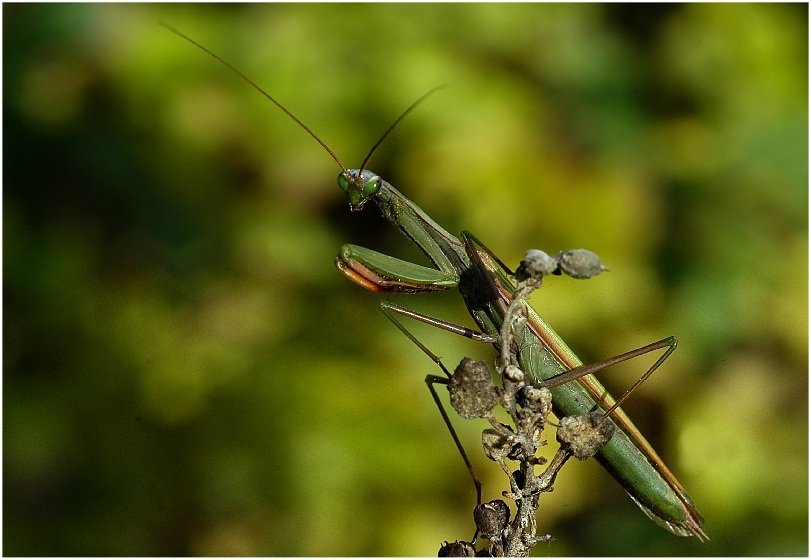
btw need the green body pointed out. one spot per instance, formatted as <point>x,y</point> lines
<point>541,353</point>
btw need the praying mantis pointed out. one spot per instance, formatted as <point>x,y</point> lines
<point>486,288</point>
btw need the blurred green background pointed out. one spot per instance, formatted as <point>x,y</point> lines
<point>185,373</point>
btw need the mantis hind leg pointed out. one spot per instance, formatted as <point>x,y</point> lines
<point>389,311</point>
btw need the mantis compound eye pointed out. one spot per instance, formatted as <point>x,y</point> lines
<point>372,186</point>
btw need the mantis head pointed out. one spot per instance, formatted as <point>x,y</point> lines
<point>359,185</point>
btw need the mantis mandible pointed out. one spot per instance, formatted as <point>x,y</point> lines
<point>486,288</point>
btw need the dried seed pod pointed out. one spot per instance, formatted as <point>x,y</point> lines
<point>580,263</point>
<point>536,265</point>
<point>491,518</point>
<point>463,549</point>
<point>583,436</point>
<point>472,390</point>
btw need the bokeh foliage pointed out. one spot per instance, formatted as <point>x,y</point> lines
<point>186,373</point>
